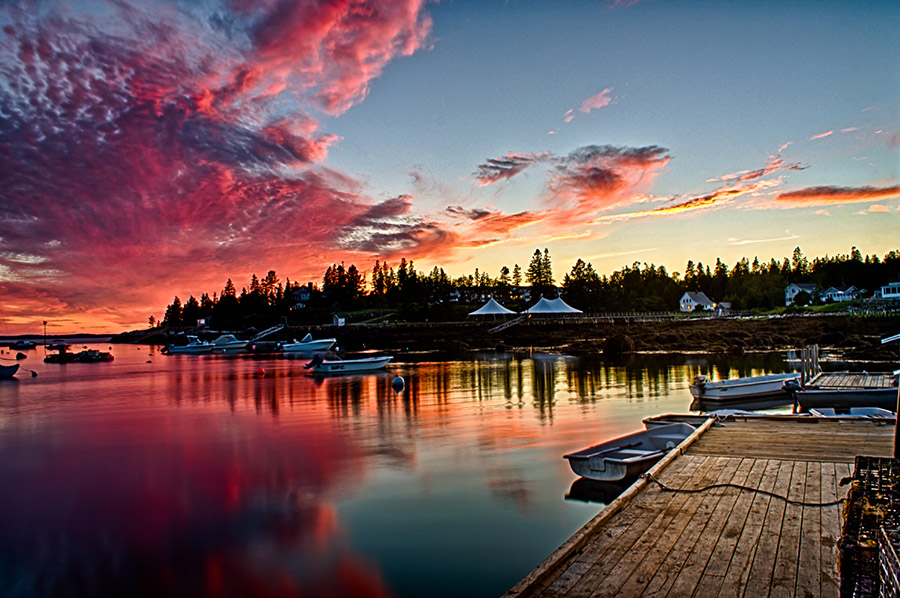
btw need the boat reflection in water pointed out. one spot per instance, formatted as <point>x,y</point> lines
<point>595,491</point>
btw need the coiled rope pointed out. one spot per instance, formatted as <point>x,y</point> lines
<point>798,503</point>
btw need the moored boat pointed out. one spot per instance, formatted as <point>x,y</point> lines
<point>319,365</point>
<point>194,347</point>
<point>751,388</point>
<point>228,343</point>
<point>86,356</point>
<point>8,371</point>
<point>57,345</point>
<point>22,345</point>
<point>842,390</point>
<point>628,456</point>
<point>308,345</point>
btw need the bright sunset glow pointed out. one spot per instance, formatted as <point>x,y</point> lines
<point>151,149</point>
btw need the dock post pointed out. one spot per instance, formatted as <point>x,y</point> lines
<point>896,417</point>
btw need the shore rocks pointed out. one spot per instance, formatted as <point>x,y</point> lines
<point>618,345</point>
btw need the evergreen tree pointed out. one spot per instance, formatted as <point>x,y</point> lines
<point>172,318</point>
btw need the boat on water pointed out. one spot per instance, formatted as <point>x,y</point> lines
<point>842,390</point>
<point>8,371</point>
<point>308,345</point>
<point>86,356</point>
<point>228,343</point>
<point>742,390</point>
<point>57,345</point>
<point>320,365</point>
<point>628,456</point>
<point>22,345</point>
<point>194,347</point>
<point>855,412</point>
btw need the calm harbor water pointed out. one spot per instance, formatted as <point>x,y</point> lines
<point>158,475</point>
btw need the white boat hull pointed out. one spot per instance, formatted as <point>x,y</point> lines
<point>324,344</point>
<point>754,388</point>
<point>351,366</point>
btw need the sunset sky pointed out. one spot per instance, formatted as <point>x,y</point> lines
<point>151,149</point>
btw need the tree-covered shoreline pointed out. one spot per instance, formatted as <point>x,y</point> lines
<point>434,296</point>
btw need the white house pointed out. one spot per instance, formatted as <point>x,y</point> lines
<point>795,289</point>
<point>696,301</point>
<point>891,291</point>
<point>841,293</point>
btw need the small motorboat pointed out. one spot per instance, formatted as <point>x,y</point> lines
<point>228,343</point>
<point>308,345</point>
<point>194,347</point>
<point>628,456</point>
<point>855,412</point>
<point>57,345</point>
<point>320,365</point>
<point>752,388</point>
<point>8,371</point>
<point>22,345</point>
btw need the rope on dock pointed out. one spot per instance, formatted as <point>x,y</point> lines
<point>799,503</point>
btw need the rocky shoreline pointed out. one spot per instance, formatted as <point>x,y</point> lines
<point>855,338</point>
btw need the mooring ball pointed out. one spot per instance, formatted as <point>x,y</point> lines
<point>260,372</point>
<point>398,382</point>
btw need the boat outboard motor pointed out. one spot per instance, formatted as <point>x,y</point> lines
<point>791,385</point>
<point>316,360</point>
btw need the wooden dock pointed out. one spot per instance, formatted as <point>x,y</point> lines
<point>851,380</point>
<point>723,541</point>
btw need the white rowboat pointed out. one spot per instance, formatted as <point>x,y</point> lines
<point>628,456</point>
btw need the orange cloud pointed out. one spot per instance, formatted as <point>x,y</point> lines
<point>833,195</point>
<point>596,177</point>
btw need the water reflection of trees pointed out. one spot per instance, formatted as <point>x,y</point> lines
<point>515,380</point>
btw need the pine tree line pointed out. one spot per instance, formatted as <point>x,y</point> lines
<point>639,287</point>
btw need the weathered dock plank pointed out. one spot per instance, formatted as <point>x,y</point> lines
<point>738,567</point>
<point>729,541</point>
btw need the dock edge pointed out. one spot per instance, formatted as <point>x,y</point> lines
<point>580,537</point>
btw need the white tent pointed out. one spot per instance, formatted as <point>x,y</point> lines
<point>552,306</point>
<point>562,307</point>
<point>491,308</point>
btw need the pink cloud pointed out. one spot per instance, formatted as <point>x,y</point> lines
<point>596,177</point>
<point>148,154</point>
<point>597,101</point>
<point>821,135</point>
<point>775,164</point>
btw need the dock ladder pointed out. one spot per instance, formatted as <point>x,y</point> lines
<point>267,332</point>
